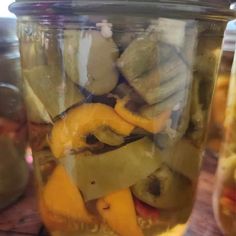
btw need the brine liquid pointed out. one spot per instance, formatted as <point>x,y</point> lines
<point>117,118</point>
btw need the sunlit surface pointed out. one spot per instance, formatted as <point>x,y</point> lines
<point>4,8</point>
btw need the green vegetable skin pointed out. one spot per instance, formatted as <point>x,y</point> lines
<point>99,175</point>
<point>164,139</point>
<point>205,69</point>
<point>36,111</point>
<point>164,189</point>
<point>90,60</point>
<point>146,71</point>
<point>62,93</point>
<point>184,158</point>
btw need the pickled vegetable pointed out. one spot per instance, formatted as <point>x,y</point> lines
<point>36,111</point>
<point>140,57</point>
<point>128,159</point>
<point>71,132</point>
<point>169,103</point>
<point>164,189</point>
<point>57,202</point>
<point>198,115</point>
<point>90,60</point>
<point>159,81</point>
<point>176,128</point>
<point>49,78</point>
<point>117,142</point>
<point>153,125</point>
<point>183,158</point>
<point>114,208</point>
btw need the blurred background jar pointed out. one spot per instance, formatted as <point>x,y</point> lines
<point>13,132</point>
<point>224,200</point>
<point>216,130</point>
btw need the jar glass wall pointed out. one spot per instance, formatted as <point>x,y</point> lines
<point>13,128</point>
<point>216,129</point>
<point>118,95</point>
<point>225,190</point>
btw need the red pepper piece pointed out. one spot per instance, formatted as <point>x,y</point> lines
<point>230,193</point>
<point>146,211</point>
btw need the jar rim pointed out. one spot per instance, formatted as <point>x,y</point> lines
<point>194,8</point>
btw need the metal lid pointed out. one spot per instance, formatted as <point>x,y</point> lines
<point>7,32</point>
<point>211,9</point>
<point>219,3</point>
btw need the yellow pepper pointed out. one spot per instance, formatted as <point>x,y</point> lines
<point>117,209</point>
<point>71,132</point>
<point>153,125</point>
<point>61,202</point>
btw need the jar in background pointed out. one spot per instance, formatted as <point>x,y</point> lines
<point>216,129</point>
<point>13,131</point>
<point>224,200</point>
<point>118,95</point>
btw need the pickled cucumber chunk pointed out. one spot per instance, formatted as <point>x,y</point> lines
<point>164,189</point>
<point>139,58</point>
<point>53,89</point>
<point>149,111</point>
<point>153,72</point>
<point>89,60</point>
<point>176,128</point>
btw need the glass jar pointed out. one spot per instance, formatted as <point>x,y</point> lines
<point>216,129</point>
<point>13,131</point>
<point>118,96</point>
<point>225,190</point>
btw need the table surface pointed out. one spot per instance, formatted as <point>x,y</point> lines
<point>22,218</point>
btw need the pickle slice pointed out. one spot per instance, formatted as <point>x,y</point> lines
<point>140,57</point>
<point>99,175</point>
<point>156,109</point>
<point>89,60</point>
<point>56,92</point>
<point>155,73</point>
